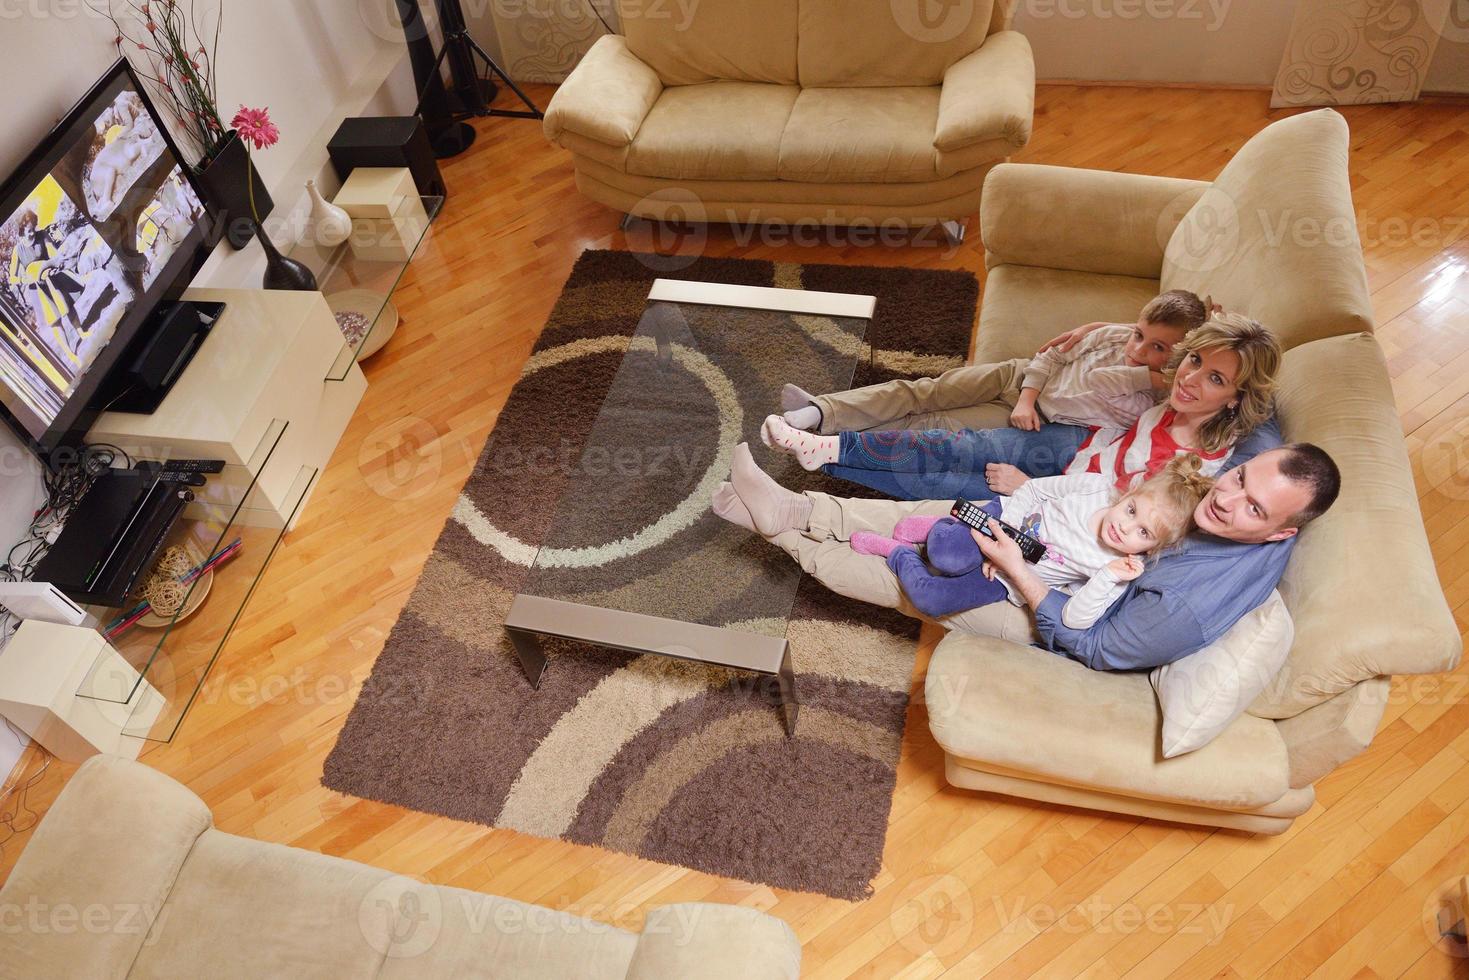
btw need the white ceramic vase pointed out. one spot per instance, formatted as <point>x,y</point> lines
<point>330,225</point>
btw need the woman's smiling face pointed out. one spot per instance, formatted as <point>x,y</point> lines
<point>1205,382</point>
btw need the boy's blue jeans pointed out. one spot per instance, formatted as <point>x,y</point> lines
<point>938,464</point>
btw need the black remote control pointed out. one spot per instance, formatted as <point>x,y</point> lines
<point>187,479</point>
<point>974,516</point>
<point>194,466</point>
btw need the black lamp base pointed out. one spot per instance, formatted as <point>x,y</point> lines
<point>453,140</point>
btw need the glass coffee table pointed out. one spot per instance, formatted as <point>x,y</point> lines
<point>633,558</point>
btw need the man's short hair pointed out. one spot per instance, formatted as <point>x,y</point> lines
<point>1176,308</point>
<point>1308,464</point>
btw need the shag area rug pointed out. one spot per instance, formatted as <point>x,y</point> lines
<point>665,759</point>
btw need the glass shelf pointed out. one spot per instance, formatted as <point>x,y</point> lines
<point>230,531</point>
<point>358,289</point>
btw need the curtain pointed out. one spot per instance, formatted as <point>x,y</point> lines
<point>1353,52</point>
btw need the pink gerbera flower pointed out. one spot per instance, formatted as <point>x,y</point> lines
<point>255,127</point>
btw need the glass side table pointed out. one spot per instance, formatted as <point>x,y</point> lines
<point>221,547</point>
<point>359,290</point>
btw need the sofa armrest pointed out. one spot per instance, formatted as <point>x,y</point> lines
<point>1323,737</point>
<point>606,97</point>
<point>988,95</point>
<point>1082,220</point>
<point>714,942</point>
<point>114,840</point>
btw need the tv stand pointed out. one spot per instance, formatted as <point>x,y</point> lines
<point>171,336</point>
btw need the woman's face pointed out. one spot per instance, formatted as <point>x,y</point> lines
<point>1204,383</point>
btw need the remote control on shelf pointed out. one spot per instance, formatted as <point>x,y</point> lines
<point>187,479</point>
<point>194,466</point>
<point>974,516</point>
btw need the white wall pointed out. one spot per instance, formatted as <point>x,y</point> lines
<point>1206,42</point>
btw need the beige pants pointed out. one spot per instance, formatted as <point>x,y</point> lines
<point>977,396</point>
<point>824,551</point>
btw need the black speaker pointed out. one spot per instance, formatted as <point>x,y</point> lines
<point>387,141</point>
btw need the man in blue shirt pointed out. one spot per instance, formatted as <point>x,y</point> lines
<point>1246,529</point>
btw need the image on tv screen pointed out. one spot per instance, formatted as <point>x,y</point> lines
<point>62,292</point>
<point>93,234</point>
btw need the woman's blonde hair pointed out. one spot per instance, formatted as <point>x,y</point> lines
<point>1177,489</point>
<point>1259,360</point>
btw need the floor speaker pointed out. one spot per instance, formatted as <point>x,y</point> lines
<point>387,141</point>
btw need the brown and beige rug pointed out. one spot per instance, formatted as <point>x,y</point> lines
<point>668,760</point>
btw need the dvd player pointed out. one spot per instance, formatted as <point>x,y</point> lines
<point>113,534</point>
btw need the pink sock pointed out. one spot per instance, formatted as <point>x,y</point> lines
<point>914,528</point>
<point>812,451</point>
<point>868,543</point>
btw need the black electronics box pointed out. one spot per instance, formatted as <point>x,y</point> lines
<point>113,535</point>
<point>387,141</point>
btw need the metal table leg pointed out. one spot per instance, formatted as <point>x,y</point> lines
<point>528,651</point>
<point>789,704</point>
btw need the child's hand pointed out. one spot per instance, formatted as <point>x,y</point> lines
<point>1126,568</point>
<point>1064,342</point>
<point>988,570</point>
<point>1026,417</point>
<point>1004,478</point>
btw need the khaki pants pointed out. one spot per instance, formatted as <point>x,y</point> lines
<point>824,551</point>
<point>977,396</point>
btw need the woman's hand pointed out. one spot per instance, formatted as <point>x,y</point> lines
<point>1064,342</point>
<point>1126,568</point>
<point>1004,478</point>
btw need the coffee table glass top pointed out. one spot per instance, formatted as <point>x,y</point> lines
<point>633,530</point>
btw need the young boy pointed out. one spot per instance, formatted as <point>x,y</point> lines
<point>1107,379</point>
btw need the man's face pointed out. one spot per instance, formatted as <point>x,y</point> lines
<point>1150,345</point>
<point>1253,502</point>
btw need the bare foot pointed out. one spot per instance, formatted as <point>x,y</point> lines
<point>811,451</point>
<point>772,507</point>
<point>728,505</point>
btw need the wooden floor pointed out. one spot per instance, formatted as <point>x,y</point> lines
<point>970,884</point>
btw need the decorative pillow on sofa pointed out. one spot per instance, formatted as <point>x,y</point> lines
<point>1204,692</point>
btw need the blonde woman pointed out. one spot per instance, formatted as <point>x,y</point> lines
<point>1221,382</point>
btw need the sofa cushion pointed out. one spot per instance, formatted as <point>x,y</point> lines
<point>115,839</point>
<point>876,135</point>
<point>715,942</point>
<point>709,40</point>
<point>244,909</point>
<point>713,131</point>
<point>1275,237</point>
<point>876,43</point>
<point>1025,306</point>
<point>1202,694</point>
<point>1361,584</point>
<point>1027,712</point>
<point>469,934</point>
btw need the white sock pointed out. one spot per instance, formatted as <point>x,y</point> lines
<point>807,418</point>
<point>812,451</point>
<point>794,396</point>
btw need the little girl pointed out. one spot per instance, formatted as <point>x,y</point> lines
<point>1092,536</point>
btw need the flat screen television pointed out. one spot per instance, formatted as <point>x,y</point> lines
<point>100,227</point>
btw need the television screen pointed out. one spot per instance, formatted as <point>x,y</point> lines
<point>99,225</point>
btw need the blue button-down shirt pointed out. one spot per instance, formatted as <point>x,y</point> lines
<point>1189,599</point>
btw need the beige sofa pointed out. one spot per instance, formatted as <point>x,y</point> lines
<point>125,877</point>
<point>834,112</point>
<point>1273,236</point>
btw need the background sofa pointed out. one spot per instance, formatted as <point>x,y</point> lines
<point>826,111</point>
<point>1273,236</point>
<point>126,878</point>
